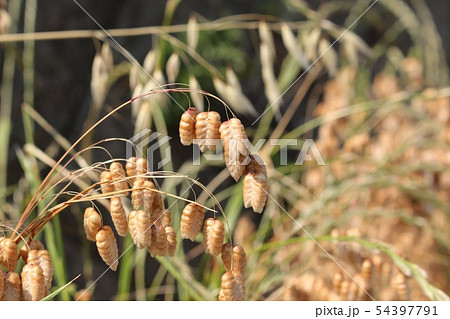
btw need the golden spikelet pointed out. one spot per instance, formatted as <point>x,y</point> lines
<point>34,244</point>
<point>141,167</point>
<point>12,290</point>
<point>207,130</point>
<point>255,186</point>
<point>150,198</point>
<point>230,290</point>
<point>92,223</point>
<point>191,221</point>
<point>401,287</point>
<point>167,218</point>
<point>235,151</point>
<point>171,241</point>
<point>43,259</point>
<point>10,255</point>
<point>227,255</point>
<point>106,181</point>
<point>33,282</point>
<point>119,177</point>
<point>130,168</point>
<point>118,216</point>
<point>238,267</point>
<point>137,194</point>
<point>187,126</point>
<point>140,228</point>
<point>213,233</point>
<point>107,247</point>
<point>159,241</point>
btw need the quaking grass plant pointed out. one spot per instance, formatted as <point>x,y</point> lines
<point>378,116</point>
<point>147,220</point>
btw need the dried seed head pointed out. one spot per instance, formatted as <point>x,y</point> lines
<point>230,289</point>
<point>239,261</point>
<point>191,221</point>
<point>10,255</point>
<point>171,241</point>
<point>119,177</point>
<point>234,141</point>
<point>33,282</point>
<point>213,233</point>
<point>255,186</point>
<point>207,130</point>
<point>167,218</point>
<point>106,180</point>
<point>92,223</point>
<point>141,167</point>
<point>187,126</point>
<point>151,198</point>
<point>34,244</point>
<point>227,252</point>
<point>140,228</point>
<point>107,247</point>
<point>159,241</point>
<point>343,292</point>
<point>137,194</point>
<point>43,259</point>
<point>131,169</point>
<point>118,215</point>
<point>12,287</point>
<point>401,287</point>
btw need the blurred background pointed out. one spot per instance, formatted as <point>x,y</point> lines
<point>376,104</point>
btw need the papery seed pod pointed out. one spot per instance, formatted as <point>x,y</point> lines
<point>366,271</point>
<point>255,186</point>
<point>167,218</point>
<point>152,199</point>
<point>2,278</point>
<point>10,253</point>
<point>141,167</point>
<point>171,241</point>
<point>34,244</point>
<point>187,126</point>
<point>33,282</point>
<point>401,287</point>
<point>227,255</point>
<point>92,223</point>
<point>131,169</point>
<point>238,267</point>
<point>191,221</point>
<point>159,241</point>
<point>12,287</point>
<point>234,141</point>
<point>207,130</point>
<point>140,225</point>
<point>137,194</point>
<point>43,259</point>
<point>221,295</point>
<point>119,177</point>
<point>1,250</point>
<point>239,261</point>
<point>213,233</point>
<point>106,181</point>
<point>230,290</point>
<point>118,215</point>
<point>107,247</point>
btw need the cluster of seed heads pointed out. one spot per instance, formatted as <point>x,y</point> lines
<point>206,129</point>
<point>233,281</point>
<point>35,280</point>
